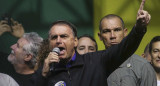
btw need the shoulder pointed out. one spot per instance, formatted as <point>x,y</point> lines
<point>6,79</point>
<point>135,60</point>
<point>138,58</point>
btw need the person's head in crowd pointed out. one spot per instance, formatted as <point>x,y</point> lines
<point>24,52</point>
<point>154,50</point>
<point>112,30</point>
<point>86,44</point>
<point>63,35</point>
<point>146,53</point>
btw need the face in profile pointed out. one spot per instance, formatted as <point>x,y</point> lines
<point>86,45</point>
<point>17,54</point>
<point>155,55</point>
<point>112,31</point>
<point>61,36</point>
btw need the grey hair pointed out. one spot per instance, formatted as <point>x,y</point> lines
<point>32,47</point>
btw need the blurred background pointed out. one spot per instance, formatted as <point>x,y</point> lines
<point>38,15</point>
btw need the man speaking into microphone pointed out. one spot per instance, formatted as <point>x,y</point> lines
<point>89,69</point>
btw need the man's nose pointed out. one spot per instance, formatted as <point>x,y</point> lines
<point>59,40</point>
<point>113,36</point>
<point>86,50</point>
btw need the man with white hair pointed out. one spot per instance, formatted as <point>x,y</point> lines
<point>22,59</point>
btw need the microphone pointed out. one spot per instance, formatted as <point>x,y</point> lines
<point>56,50</point>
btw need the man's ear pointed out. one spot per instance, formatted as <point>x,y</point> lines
<point>143,55</point>
<point>75,42</point>
<point>125,32</point>
<point>99,35</point>
<point>28,57</point>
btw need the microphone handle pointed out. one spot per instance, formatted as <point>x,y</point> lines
<point>52,67</point>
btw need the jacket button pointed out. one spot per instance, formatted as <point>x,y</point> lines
<point>129,65</point>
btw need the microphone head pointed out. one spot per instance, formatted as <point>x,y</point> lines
<point>56,49</point>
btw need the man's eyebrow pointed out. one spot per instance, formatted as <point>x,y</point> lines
<point>53,36</point>
<point>91,46</point>
<point>106,29</point>
<point>81,46</point>
<point>64,34</point>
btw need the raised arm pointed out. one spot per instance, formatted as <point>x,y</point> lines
<point>119,53</point>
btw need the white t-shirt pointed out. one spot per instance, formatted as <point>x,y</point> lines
<point>158,82</point>
<point>6,80</point>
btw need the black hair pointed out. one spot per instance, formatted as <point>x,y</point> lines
<point>155,39</point>
<point>73,28</point>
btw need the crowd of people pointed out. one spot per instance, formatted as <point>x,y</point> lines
<point>33,61</point>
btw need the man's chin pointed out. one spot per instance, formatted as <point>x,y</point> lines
<point>11,59</point>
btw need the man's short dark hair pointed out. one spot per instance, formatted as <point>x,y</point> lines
<point>73,28</point>
<point>90,37</point>
<point>109,16</point>
<point>155,39</point>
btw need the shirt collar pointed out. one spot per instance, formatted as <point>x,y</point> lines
<point>72,60</point>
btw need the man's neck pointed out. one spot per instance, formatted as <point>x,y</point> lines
<point>23,69</point>
<point>157,70</point>
<point>158,76</point>
<point>66,60</point>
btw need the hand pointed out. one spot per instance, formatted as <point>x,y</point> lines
<point>52,57</point>
<point>143,17</point>
<point>17,29</point>
<point>4,27</point>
